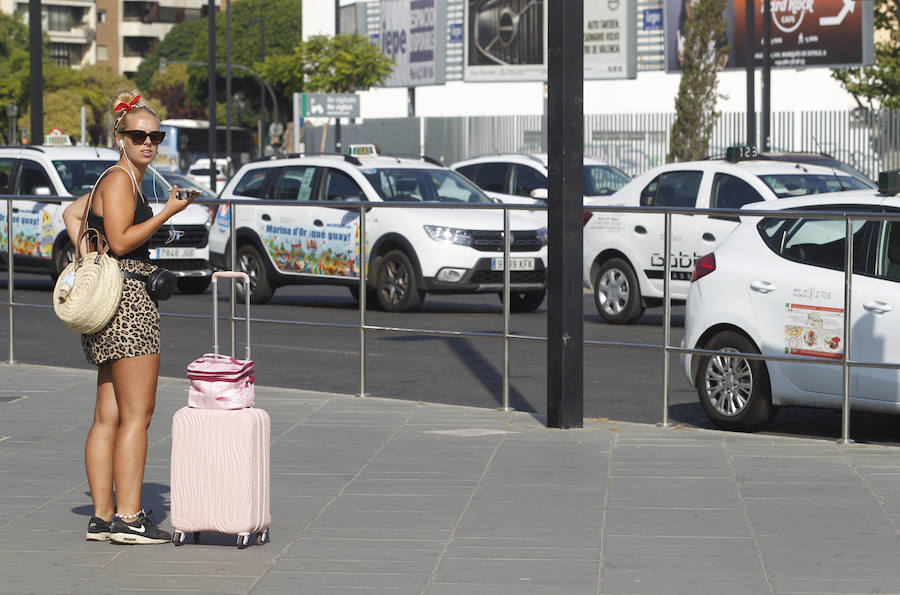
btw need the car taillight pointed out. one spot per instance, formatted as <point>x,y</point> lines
<point>587,217</point>
<point>704,266</point>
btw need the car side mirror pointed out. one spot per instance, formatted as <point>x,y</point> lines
<point>539,194</point>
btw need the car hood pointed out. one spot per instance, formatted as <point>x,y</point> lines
<point>192,215</point>
<point>473,219</point>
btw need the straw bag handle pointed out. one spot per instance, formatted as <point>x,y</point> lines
<point>84,230</point>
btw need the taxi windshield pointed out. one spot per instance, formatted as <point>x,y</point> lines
<point>424,185</point>
<point>603,180</point>
<point>800,184</point>
<point>78,176</point>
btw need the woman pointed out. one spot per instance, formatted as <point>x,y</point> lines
<point>126,351</point>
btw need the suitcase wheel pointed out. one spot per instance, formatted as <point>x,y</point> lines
<point>261,537</point>
<point>177,538</point>
<point>243,541</point>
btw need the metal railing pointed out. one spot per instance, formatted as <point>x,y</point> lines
<point>666,348</point>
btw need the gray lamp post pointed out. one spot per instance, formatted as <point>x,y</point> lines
<point>12,110</point>
<point>262,89</point>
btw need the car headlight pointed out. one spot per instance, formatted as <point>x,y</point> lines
<point>542,236</point>
<point>449,234</point>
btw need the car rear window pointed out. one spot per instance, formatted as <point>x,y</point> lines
<point>816,242</point>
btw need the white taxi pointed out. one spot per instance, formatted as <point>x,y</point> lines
<point>624,252</point>
<point>775,286</point>
<point>410,252</point>
<point>40,242</point>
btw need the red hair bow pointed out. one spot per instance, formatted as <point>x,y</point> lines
<point>127,106</point>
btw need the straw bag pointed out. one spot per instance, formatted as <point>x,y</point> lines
<point>88,291</point>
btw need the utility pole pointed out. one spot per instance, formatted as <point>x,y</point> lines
<point>766,124</point>
<point>337,31</point>
<point>751,91</point>
<point>228,87</point>
<point>262,89</point>
<point>36,84</point>
<point>211,73</point>
<point>565,217</point>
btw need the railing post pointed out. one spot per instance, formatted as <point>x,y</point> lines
<point>667,314</point>
<point>9,271</point>
<point>232,209</point>
<point>845,363</point>
<point>506,277</point>
<point>362,302</point>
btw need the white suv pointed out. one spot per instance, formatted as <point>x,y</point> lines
<point>41,244</point>
<point>624,254</point>
<point>521,178</point>
<point>410,252</point>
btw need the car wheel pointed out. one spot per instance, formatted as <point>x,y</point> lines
<point>524,301</point>
<point>734,391</point>
<point>192,284</point>
<point>616,293</point>
<point>250,261</point>
<point>395,283</point>
<point>62,256</point>
<point>371,295</point>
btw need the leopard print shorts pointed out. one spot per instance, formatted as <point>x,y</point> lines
<point>134,329</point>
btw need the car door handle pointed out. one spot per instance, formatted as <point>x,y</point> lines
<point>876,306</point>
<point>640,229</point>
<point>266,217</point>
<point>318,223</point>
<point>708,237</point>
<point>762,286</point>
<point>15,210</point>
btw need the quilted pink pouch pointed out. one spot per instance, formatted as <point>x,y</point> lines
<point>221,382</point>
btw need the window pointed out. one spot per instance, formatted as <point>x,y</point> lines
<point>252,183</point>
<point>603,180</point>
<point>525,179</point>
<point>673,189</point>
<point>492,176</point>
<point>101,17</point>
<point>292,183</point>
<point>731,192</point>
<point>6,166</point>
<point>800,184</point>
<point>816,242</point>
<point>468,171</point>
<point>31,179</point>
<point>59,53</point>
<point>888,262</point>
<point>429,185</point>
<point>339,186</point>
<point>102,53</point>
<point>138,47</point>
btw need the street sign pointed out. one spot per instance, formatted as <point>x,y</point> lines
<point>329,105</point>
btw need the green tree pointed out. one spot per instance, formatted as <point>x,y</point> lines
<point>14,64</point>
<point>170,87</point>
<point>878,86</point>
<point>176,46</point>
<point>695,105</point>
<point>340,64</point>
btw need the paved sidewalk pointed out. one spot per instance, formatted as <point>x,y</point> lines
<point>379,496</point>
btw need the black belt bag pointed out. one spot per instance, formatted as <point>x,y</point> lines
<point>160,283</point>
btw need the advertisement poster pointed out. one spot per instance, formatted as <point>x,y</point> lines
<point>610,39</point>
<point>32,233</point>
<point>803,33</point>
<point>412,34</point>
<point>814,331</point>
<point>505,40</point>
<point>332,251</point>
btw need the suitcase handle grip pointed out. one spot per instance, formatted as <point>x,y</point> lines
<point>215,295</point>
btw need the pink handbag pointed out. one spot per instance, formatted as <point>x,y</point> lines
<point>222,381</point>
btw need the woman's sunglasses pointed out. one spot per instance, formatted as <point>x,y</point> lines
<point>139,136</point>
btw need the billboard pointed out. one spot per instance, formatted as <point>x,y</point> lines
<point>506,40</point>
<point>805,33</point>
<point>413,34</point>
<point>610,39</point>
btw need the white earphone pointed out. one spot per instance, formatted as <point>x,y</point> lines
<point>122,144</point>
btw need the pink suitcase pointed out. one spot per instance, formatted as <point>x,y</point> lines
<point>220,464</point>
<point>220,473</point>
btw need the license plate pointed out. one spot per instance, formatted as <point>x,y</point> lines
<point>515,264</point>
<point>174,253</point>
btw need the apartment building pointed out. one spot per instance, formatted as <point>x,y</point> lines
<point>119,33</point>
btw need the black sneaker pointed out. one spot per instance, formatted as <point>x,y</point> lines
<point>141,531</point>
<point>98,530</point>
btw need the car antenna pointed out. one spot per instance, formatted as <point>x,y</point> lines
<point>834,173</point>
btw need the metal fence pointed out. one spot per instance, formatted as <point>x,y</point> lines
<point>507,336</point>
<point>869,141</point>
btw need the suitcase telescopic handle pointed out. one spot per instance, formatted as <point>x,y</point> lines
<point>215,283</point>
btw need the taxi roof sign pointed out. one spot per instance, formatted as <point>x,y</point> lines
<point>56,138</point>
<point>363,151</point>
<point>741,153</point>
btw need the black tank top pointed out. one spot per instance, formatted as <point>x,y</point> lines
<point>142,212</point>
